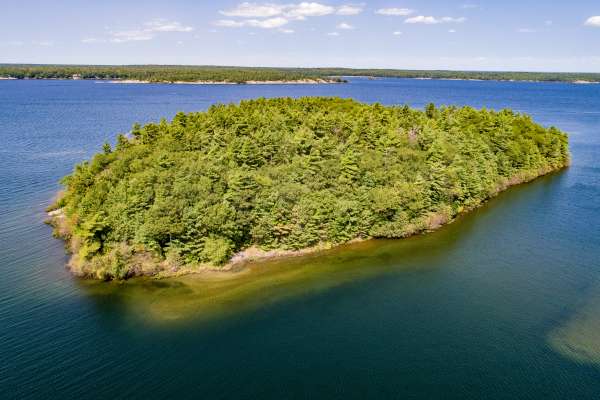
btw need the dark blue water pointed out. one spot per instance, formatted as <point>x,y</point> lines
<point>504,303</point>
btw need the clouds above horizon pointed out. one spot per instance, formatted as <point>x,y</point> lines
<point>429,20</point>
<point>397,12</point>
<point>350,9</point>
<point>148,31</point>
<point>593,21</point>
<point>268,23</point>
<point>344,25</point>
<point>273,15</point>
<point>293,11</point>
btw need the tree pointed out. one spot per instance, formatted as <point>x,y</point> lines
<point>289,174</point>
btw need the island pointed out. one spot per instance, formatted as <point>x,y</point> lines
<point>210,74</point>
<point>167,74</point>
<point>273,177</point>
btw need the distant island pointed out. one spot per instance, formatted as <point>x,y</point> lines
<point>167,74</point>
<point>284,176</point>
<point>248,75</point>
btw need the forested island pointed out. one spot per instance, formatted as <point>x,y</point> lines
<point>284,175</point>
<point>166,74</point>
<point>224,74</point>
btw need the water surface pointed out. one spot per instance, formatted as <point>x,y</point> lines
<point>503,303</point>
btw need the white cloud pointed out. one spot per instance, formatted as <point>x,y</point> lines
<point>397,12</point>
<point>469,6</point>
<point>268,23</point>
<point>458,20</point>
<point>229,23</point>
<point>344,25</point>
<point>148,32</point>
<point>526,30</point>
<point>254,10</point>
<point>290,11</point>
<point>396,33</point>
<point>451,30</point>
<point>428,20</point>
<point>271,15</point>
<point>548,22</point>
<point>305,9</point>
<point>593,21</point>
<point>161,25</point>
<point>275,16</point>
<point>131,36</point>
<point>350,9</point>
<point>421,19</point>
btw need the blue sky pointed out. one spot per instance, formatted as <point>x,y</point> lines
<point>468,34</point>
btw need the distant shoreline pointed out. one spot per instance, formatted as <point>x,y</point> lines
<point>215,74</point>
<point>576,82</point>
<point>319,81</point>
<point>201,82</point>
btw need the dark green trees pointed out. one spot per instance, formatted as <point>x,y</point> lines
<point>184,73</point>
<point>290,174</point>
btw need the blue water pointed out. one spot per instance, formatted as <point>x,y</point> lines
<point>504,303</point>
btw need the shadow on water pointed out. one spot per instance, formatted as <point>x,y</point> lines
<point>204,297</point>
<point>576,332</point>
<point>578,337</point>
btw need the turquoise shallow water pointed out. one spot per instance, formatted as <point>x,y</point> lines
<point>504,303</point>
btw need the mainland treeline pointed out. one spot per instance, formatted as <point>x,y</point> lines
<point>174,73</point>
<point>289,174</point>
<point>465,75</point>
<point>157,73</point>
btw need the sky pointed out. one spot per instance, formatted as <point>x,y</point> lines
<point>413,34</point>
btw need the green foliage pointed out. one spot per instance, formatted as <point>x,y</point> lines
<point>292,173</point>
<point>183,73</point>
<point>106,148</point>
<point>158,73</point>
<point>217,250</point>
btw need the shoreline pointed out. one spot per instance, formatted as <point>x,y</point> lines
<point>239,262</point>
<point>286,82</point>
<point>307,81</point>
<point>575,82</point>
<point>424,78</point>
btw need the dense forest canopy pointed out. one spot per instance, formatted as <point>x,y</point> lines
<point>157,73</point>
<point>290,174</point>
<point>475,75</point>
<point>174,73</point>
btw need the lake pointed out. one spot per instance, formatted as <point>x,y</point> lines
<point>503,303</point>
